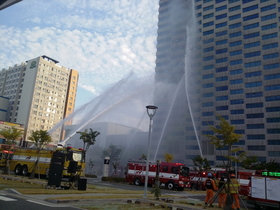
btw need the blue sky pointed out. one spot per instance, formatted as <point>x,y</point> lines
<point>102,39</point>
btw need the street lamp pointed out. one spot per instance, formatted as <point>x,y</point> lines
<point>235,155</point>
<point>151,111</point>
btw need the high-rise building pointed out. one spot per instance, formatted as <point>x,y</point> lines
<point>237,68</point>
<point>41,93</point>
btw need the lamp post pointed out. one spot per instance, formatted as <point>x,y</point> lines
<point>151,111</point>
<point>235,163</point>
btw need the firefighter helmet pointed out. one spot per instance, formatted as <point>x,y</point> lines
<point>232,175</point>
<point>209,175</point>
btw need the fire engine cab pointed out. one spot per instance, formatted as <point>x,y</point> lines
<point>171,175</point>
<point>264,190</point>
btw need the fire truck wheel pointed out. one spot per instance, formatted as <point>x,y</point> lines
<point>170,185</point>
<point>137,182</point>
<point>24,170</point>
<point>18,169</point>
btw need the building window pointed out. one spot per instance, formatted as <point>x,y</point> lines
<point>221,16</point>
<point>208,49</point>
<point>254,25</point>
<point>220,79</point>
<point>256,147</point>
<point>234,8</point>
<point>238,111</point>
<point>236,122</point>
<point>273,131</point>
<point>236,81</point>
<point>207,104</point>
<point>270,56</point>
<point>208,8</point>
<point>253,44</point>
<point>254,95</point>
<point>208,24</point>
<point>273,120</point>
<point>269,7</point>
<point>256,137</point>
<point>254,105</point>
<point>237,91</point>
<point>272,76</point>
<point>252,35</point>
<point>221,8</point>
<point>270,26</point>
<point>273,153</point>
<point>250,17</point>
<point>270,46</point>
<point>222,33</point>
<point>255,126</point>
<point>270,36</point>
<point>206,95</point>
<point>273,109</point>
<point>221,69</point>
<point>237,71</point>
<point>253,84</point>
<point>221,98</point>
<point>268,17</point>
<point>208,16</point>
<point>237,43</point>
<point>272,98</point>
<point>221,60</point>
<point>221,51</point>
<point>220,25</point>
<point>236,25</point>
<point>233,17</point>
<point>253,74</point>
<point>236,101</point>
<point>271,66</point>
<point>255,115</point>
<point>206,114</point>
<point>235,62</point>
<point>247,9</point>
<point>273,142</point>
<point>236,34</point>
<point>252,64</point>
<point>208,76</point>
<point>221,108</point>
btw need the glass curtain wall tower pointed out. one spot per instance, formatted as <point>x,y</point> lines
<point>237,70</point>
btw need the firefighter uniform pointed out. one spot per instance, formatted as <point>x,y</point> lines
<point>210,188</point>
<point>233,190</point>
<point>222,194</point>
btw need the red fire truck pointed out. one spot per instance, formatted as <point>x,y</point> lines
<point>171,175</point>
<point>243,176</point>
<point>264,190</point>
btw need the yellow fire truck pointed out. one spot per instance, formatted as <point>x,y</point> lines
<point>68,159</point>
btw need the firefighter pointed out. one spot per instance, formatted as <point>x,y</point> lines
<point>233,190</point>
<point>222,194</point>
<point>210,188</point>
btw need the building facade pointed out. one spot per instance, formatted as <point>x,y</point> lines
<point>237,66</point>
<point>41,93</point>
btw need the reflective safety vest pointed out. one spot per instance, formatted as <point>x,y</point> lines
<point>234,186</point>
<point>210,184</point>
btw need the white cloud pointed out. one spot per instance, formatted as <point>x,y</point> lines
<point>103,40</point>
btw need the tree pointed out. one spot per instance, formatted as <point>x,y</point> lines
<point>225,138</point>
<point>11,135</point>
<point>88,137</point>
<point>201,163</point>
<point>249,162</point>
<point>113,152</point>
<point>40,139</point>
<point>168,157</point>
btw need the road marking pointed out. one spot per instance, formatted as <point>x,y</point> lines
<point>41,203</point>
<point>6,199</point>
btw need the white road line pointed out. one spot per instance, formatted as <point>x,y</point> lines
<point>49,205</point>
<point>7,199</point>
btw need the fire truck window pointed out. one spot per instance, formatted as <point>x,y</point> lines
<point>70,155</point>
<point>165,168</point>
<point>174,170</point>
<point>77,157</point>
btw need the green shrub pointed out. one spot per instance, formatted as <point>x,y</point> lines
<point>91,175</point>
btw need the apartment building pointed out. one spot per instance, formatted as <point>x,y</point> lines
<point>237,69</point>
<point>41,93</point>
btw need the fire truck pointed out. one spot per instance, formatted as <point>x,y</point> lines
<point>24,159</point>
<point>243,177</point>
<point>264,190</point>
<point>171,175</point>
<point>4,154</point>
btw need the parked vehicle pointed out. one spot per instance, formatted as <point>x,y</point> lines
<point>171,175</point>
<point>24,159</point>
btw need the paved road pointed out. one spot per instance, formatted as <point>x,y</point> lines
<point>16,202</point>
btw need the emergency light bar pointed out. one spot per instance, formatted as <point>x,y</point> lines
<point>270,173</point>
